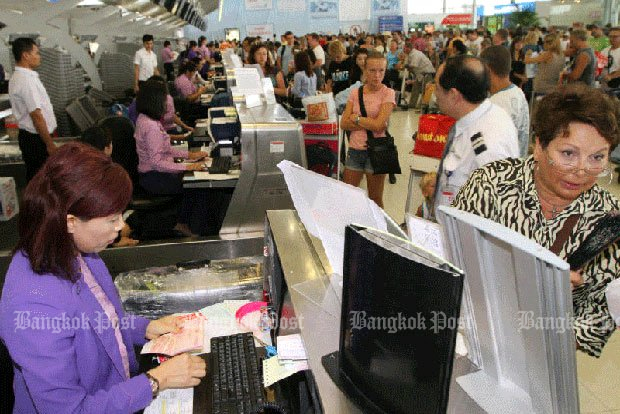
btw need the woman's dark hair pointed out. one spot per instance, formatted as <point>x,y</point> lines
<point>166,43</point>
<point>360,52</point>
<point>79,180</point>
<point>187,66</point>
<point>160,79</point>
<point>302,63</point>
<point>468,75</point>
<point>355,73</point>
<point>514,42</point>
<point>576,103</point>
<point>255,47</point>
<point>151,100</point>
<point>96,137</point>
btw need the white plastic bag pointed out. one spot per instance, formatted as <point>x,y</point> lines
<point>320,108</point>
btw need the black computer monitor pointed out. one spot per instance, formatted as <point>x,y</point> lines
<point>395,354</point>
<point>89,108</point>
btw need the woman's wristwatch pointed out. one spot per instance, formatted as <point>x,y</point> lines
<point>154,384</point>
<point>357,120</point>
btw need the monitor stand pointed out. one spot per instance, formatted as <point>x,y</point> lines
<point>331,365</point>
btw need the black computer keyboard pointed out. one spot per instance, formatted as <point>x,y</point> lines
<point>235,375</point>
<point>220,165</point>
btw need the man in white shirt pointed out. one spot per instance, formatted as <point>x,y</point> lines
<point>144,62</point>
<point>319,54</point>
<point>506,94</point>
<point>31,106</point>
<point>612,73</point>
<point>483,131</point>
<point>473,42</point>
<point>420,66</point>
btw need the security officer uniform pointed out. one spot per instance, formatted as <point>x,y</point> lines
<point>485,134</point>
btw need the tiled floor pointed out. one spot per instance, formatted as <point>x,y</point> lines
<point>599,379</point>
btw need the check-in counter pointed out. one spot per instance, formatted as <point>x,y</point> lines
<point>269,134</point>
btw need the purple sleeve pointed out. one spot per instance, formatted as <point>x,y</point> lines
<point>132,112</point>
<point>168,119</point>
<point>49,374</point>
<point>184,86</point>
<point>138,329</point>
<point>166,55</point>
<point>154,149</point>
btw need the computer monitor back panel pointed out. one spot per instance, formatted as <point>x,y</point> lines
<point>510,283</point>
<point>390,351</point>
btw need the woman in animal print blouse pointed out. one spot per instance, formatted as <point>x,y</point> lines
<point>576,128</point>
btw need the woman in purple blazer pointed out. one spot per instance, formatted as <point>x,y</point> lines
<point>60,314</point>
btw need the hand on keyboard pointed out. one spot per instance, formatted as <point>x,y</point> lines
<point>198,155</point>
<point>197,166</point>
<point>181,371</point>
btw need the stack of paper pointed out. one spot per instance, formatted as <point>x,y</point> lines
<point>275,370</point>
<point>172,401</point>
<point>291,358</point>
<point>291,347</point>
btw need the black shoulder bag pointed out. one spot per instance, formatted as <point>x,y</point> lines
<point>382,151</point>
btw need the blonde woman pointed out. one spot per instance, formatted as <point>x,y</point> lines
<point>550,63</point>
<point>379,101</point>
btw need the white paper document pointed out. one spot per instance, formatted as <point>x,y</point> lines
<point>236,61</point>
<point>425,233</point>
<point>204,175</point>
<point>291,347</point>
<point>248,81</point>
<point>172,401</point>
<point>269,92</point>
<point>275,370</point>
<point>221,321</point>
<point>326,206</point>
<point>252,100</point>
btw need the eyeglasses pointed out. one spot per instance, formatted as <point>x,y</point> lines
<point>567,162</point>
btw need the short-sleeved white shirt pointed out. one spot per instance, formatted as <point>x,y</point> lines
<point>419,63</point>
<point>319,53</point>
<point>485,134</point>
<point>27,93</point>
<point>512,100</point>
<point>147,62</point>
<point>614,56</point>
